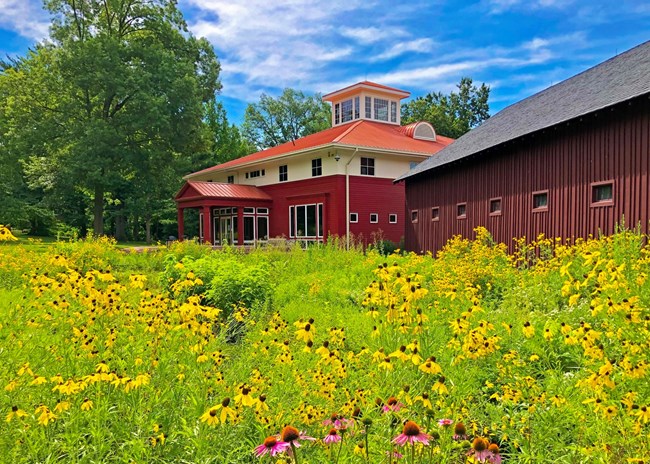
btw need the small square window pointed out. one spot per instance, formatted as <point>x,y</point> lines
<point>602,193</point>
<point>495,206</point>
<point>414,215</point>
<point>284,173</point>
<point>231,179</point>
<point>354,217</point>
<point>461,211</point>
<point>316,167</point>
<point>540,201</point>
<point>367,166</point>
<point>435,213</point>
<point>374,218</point>
<point>392,218</point>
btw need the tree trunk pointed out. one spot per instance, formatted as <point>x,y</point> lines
<point>120,227</point>
<point>147,224</point>
<point>98,211</point>
<point>136,228</point>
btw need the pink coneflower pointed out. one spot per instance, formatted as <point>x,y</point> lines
<point>339,422</point>
<point>445,422</point>
<point>460,432</point>
<point>271,446</point>
<point>495,457</point>
<point>480,449</point>
<point>410,434</point>
<point>291,436</point>
<point>394,454</point>
<point>332,437</point>
<point>392,405</point>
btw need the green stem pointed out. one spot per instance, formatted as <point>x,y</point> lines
<point>367,449</point>
<point>412,453</point>
<point>295,453</point>
<point>338,455</point>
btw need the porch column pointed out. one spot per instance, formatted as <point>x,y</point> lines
<point>207,225</point>
<point>181,223</point>
<point>240,225</point>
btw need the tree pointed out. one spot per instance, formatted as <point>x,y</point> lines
<point>451,115</point>
<point>118,93</point>
<point>293,115</point>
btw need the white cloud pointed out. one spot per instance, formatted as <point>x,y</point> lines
<point>500,6</point>
<point>26,17</point>
<point>278,44</point>
<point>364,35</point>
<point>422,45</point>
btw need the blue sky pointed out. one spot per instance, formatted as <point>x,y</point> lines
<point>517,47</point>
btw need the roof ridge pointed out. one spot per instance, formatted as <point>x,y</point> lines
<point>347,131</point>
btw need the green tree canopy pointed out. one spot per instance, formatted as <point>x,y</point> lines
<point>292,115</point>
<point>117,94</point>
<point>451,115</point>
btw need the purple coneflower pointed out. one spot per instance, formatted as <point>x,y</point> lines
<point>291,436</point>
<point>271,446</point>
<point>460,432</point>
<point>480,449</point>
<point>410,434</point>
<point>445,422</point>
<point>495,457</point>
<point>340,423</point>
<point>332,437</point>
<point>392,405</point>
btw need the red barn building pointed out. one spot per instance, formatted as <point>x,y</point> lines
<point>567,162</point>
<point>335,182</point>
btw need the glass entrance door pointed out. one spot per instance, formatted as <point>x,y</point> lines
<point>225,231</point>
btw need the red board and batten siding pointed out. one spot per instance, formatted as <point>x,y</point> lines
<point>367,195</point>
<point>612,144</point>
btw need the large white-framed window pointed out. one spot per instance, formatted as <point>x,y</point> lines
<point>393,111</point>
<point>368,108</point>
<point>337,113</point>
<point>381,109</point>
<point>347,110</point>
<point>306,221</point>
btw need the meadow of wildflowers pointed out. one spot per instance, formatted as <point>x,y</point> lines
<point>326,356</point>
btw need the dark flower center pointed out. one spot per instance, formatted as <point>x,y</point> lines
<point>411,429</point>
<point>270,442</point>
<point>290,434</point>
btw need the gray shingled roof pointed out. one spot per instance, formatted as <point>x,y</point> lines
<point>616,80</point>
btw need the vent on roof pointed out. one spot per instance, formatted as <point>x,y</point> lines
<point>424,131</point>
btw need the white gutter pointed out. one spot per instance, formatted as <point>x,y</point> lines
<point>347,201</point>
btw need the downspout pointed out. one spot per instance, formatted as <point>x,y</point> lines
<point>347,200</point>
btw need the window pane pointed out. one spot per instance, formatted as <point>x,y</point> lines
<point>311,221</point>
<point>262,228</point>
<point>356,108</point>
<point>368,108</point>
<point>292,222</point>
<point>346,111</point>
<point>235,232</point>
<point>300,220</point>
<point>249,228</point>
<point>320,219</point>
<point>337,112</point>
<point>381,109</point>
<point>603,192</point>
<point>495,206</point>
<point>540,200</point>
<point>393,111</point>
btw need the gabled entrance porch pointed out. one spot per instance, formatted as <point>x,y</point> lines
<point>229,214</point>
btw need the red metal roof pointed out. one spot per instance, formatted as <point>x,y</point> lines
<point>362,133</point>
<point>193,189</point>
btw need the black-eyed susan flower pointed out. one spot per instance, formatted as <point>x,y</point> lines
<point>15,412</point>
